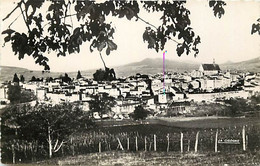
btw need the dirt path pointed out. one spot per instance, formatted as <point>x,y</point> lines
<point>178,119</point>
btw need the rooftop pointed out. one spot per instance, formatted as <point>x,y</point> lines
<point>210,67</point>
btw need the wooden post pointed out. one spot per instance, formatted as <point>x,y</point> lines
<point>99,147</point>
<point>120,145</point>
<point>181,142</point>
<point>136,144</point>
<point>145,148</point>
<point>150,146</point>
<point>168,142</point>
<point>244,138</point>
<point>188,146</point>
<point>128,142</point>
<point>109,147</point>
<point>216,142</point>
<point>13,152</point>
<point>72,146</point>
<point>196,142</point>
<point>154,139</point>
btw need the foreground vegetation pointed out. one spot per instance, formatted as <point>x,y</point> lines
<point>37,132</point>
<point>106,140</point>
<point>157,158</point>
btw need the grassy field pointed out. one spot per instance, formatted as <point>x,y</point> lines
<point>116,158</point>
<point>186,122</point>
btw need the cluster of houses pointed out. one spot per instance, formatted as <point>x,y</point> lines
<point>155,92</point>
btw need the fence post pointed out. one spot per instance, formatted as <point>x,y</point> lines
<point>246,140</point>
<point>196,142</point>
<point>145,143</point>
<point>154,139</point>
<point>109,147</point>
<point>150,146</point>
<point>181,142</point>
<point>136,144</point>
<point>13,152</point>
<point>216,142</point>
<point>188,145</point>
<point>128,142</point>
<point>72,146</point>
<point>244,137</point>
<point>99,147</point>
<point>168,142</point>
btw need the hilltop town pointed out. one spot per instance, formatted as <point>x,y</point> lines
<point>156,93</point>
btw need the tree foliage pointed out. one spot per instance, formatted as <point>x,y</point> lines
<point>34,79</point>
<point>104,75</point>
<point>139,113</point>
<point>50,125</point>
<point>22,78</point>
<point>255,99</point>
<point>16,79</point>
<point>14,93</point>
<point>256,27</point>
<point>53,30</point>
<point>79,75</point>
<point>66,78</point>
<point>49,79</point>
<point>237,106</point>
<point>102,104</point>
<point>18,95</point>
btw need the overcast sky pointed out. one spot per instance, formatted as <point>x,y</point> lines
<point>225,39</point>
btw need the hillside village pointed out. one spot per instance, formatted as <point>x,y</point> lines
<point>154,92</point>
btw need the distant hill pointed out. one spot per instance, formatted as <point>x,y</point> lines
<point>7,73</point>
<point>153,66</point>
<point>252,65</point>
<point>146,66</point>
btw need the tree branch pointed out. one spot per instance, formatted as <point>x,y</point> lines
<point>153,26</point>
<point>14,20</point>
<point>66,10</point>
<point>102,60</point>
<point>56,143</point>
<point>145,21</point>
<point>8,15</point>
<point>175,41</point>
<point>62,18</point>
<point>25,19</point>
<point>71,18</point>
<point>58,148</point>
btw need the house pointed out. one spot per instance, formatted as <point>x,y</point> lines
<point>162,98</point>
<point>3,92</point>
<point>209,69</point>
<point>41,93</point>
<point>196,74</point>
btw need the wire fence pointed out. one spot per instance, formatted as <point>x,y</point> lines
<point>231,139</point>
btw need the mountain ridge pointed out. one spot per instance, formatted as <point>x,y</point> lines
<point>145,66</point>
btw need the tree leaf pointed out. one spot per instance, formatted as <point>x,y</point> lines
<point>180,49</point>
<point>7,38</point>
<point>112,46</point>
<point>101,46</point>
<point>108,51</point>
<point>8,31</point>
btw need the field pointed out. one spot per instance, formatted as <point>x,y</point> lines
<point>187,122</point>
<point>116,158</point>
<point>165,141</point>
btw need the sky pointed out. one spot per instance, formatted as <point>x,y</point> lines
<point>225,39</point>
